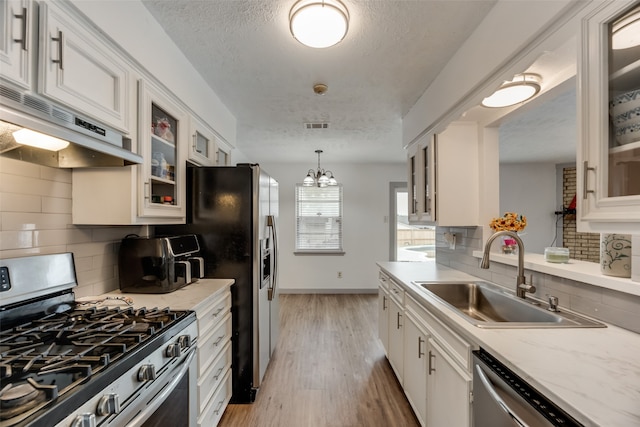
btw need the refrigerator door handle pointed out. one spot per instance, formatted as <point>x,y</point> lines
<point>271,222</point>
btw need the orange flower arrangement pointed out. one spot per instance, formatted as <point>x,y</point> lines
<point>511,221</point>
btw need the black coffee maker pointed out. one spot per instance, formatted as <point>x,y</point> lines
<point>158,265</point>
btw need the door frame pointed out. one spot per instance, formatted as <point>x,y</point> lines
<point>394,186</point>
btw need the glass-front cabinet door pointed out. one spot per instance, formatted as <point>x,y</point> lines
<point>202,146</point>
<point>609,93</point>
<point>163,127</point>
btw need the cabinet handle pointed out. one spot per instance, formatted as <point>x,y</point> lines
<point>431,364</point>
<point>146,190</point>
<point>218,340</point>
<point>217,375</point>
<point>420,353</point>
<point>217,410</point>
<point>398,320</point>
<point>218,312</point>
<point>384,303</point>
<point>23,39</point>
<point>585,179</point>
<point>60,40</point>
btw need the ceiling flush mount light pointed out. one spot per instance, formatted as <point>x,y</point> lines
<point>320,177</point>
<point>39,140</point>
<point>319,23</point>
<point>625,32</point>
<point>521,88</point>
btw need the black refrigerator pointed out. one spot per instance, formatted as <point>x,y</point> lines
<point>233,210</point>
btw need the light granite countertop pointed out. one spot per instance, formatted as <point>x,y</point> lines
<point>592,373</point>
<point>190,297</point>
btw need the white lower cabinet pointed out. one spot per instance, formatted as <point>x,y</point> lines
<point>214,358</point>
<point>416,365</point>
<point>448,390</point>
<point>430,360</point>
<point>383,313</point>
<point>396,335</point>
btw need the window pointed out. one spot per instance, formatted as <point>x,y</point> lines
<point>319,219</point>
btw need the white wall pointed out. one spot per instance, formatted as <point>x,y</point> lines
<point>530,189</point>
<point>366,234</point>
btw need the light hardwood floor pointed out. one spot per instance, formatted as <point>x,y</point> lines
<point>328,370</point>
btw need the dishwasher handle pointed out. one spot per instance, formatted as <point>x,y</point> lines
<point>488,386</point>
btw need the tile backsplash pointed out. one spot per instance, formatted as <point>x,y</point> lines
<point>35,218</point>
<point>617,308</point>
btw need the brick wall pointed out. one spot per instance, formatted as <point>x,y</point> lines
<point>582,246</point>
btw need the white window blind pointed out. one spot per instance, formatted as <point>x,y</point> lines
<point>319,219</point>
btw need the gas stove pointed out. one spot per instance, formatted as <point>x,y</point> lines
<point>69,366</point>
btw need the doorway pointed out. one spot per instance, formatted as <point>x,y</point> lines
<point>407,242</point>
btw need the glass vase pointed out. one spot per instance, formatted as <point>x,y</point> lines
<point>509,245</point>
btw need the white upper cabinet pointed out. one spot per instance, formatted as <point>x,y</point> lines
<point>223,154</point>
<point>202,144</point>
<point>609,93</point>
<point>443,177</point>
<point>163,130</point>
<point>153,192</point>
<point>79,69</point>
<point>16,41</point>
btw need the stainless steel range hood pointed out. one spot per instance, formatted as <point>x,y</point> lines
<point>91,143</point>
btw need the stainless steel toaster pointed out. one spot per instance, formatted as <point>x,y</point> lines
<point>158,265</point>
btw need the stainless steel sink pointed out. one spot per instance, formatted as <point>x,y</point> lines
<point>489,306</point>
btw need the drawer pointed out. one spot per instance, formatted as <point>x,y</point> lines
<point>396,292</point>
<point>213,313</point>
<point>216,406</point>
<point>458,348</point>
<point>210,346</point>
<point>384,280</point>
<point>213,376</point>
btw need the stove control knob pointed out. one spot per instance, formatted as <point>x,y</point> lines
<point>84,420</point>
<point>108,404</point>
<point>173,350</point>
<point>184,341</point>
<point>147,373</point>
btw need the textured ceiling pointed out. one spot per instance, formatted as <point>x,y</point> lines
<point>546,133</point>
<point>245,52</point>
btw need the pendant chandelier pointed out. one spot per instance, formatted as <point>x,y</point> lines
<point>320,177</point>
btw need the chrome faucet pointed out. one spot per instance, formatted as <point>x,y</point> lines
<point>521,282</point>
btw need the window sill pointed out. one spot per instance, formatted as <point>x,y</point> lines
<point>580,271</point>
<point>319,252</point>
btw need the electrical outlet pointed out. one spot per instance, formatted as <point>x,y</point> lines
<point>339,274</point>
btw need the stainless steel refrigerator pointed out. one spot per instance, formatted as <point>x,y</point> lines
<point>233,211</point>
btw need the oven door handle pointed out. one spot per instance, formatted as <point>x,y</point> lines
<point>486,383</point>
<point>160,398</point>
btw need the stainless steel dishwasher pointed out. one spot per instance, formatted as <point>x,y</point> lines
<point>503,399</point>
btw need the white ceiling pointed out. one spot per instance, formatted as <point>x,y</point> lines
<point>244,50</point>
<point>546,133</point>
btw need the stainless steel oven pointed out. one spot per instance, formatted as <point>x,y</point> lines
<point>503,399</point>
<point>67,365</point>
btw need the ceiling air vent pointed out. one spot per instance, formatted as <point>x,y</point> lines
<point>320,125</point>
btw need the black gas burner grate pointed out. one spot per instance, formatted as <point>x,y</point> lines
<point>45,358</point>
